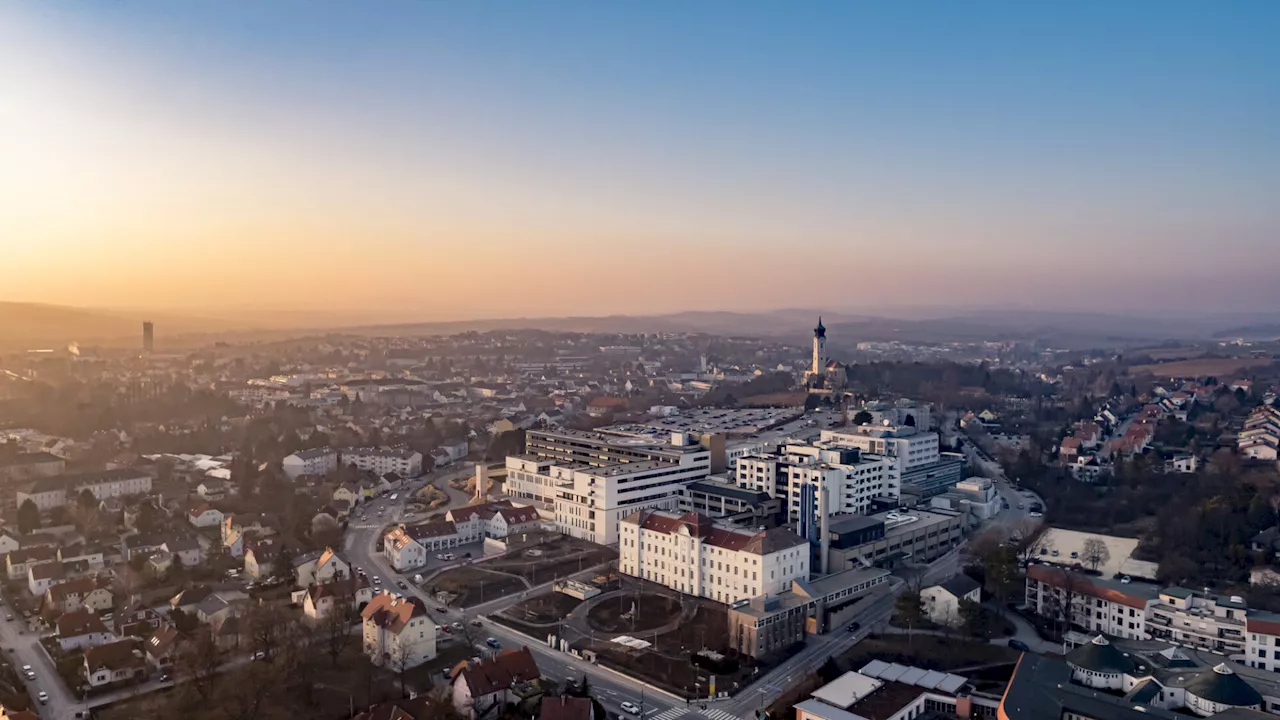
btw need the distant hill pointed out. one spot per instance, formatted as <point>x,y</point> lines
<point>28,325</point>
<point>25,326</point>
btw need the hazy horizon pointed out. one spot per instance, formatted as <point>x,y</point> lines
<point>437,162</point>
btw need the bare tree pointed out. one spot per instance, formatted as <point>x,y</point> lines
<point>335,629</point>
<point>254,687</point>
<point>397,659</point>
<point>1095,553</point>
<point>298,661</point>
<point>1064,599</point>
<point>202,663</point>
<point>265,625</point>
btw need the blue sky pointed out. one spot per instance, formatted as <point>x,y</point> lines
<point>720,155</point>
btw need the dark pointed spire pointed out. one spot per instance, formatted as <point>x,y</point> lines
<point>820,331</point>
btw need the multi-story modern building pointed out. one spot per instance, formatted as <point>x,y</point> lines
<point>397,632</point>
<point>406,463</point>
<point>593,480</point>
<point>796,473</point>
<point>919,466</point>
<point>888,539</point>
<point>693,555</point>
<point>771,623</point>
<point>318,461</point>
<point>730,502</point>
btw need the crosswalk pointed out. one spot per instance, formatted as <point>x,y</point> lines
<point>692,713</point>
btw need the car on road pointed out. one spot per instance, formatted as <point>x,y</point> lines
<point>260,655</point>
<point>31,675</point>
<point>493,643</point>
<point>8,616</point>
<point>1035,514</point>
<point>1006,506</point>
<point>456,626</point>
<point>442,609</point>
<point>402,585</point>
<point>630,707</point>
<point>854,627</point>
<point>26,668</point>
<point>1017,644</point>
<point>1021,505</point>
<point>377,581</point>
<point>476,623</point>
<point>43,697</point>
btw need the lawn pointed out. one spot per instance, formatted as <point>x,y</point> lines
<point>1199,367</point>
<point>472,585</point>
<point>634,613</point>
<point>931,652</point>
<point>543,609</point>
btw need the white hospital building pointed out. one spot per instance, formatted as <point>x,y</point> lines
<point>693,555</point>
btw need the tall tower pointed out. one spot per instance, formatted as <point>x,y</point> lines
<point>148,337</point>
<point>819,350</point>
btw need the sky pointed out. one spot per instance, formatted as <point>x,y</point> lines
<point>453,160</point>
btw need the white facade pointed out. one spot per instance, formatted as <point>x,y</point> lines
<point>405,463</point>
<point>911,447</point>
<point>689,554</point>
<point>51,492</point>
<point>530,478</point>
<point>590,504</point>
<point>397,632</point>
<point>320,461</point>
<point>852,479</point>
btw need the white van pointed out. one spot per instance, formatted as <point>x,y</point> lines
<point>395,495</point>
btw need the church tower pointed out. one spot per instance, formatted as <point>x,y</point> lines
<point>819,350</point>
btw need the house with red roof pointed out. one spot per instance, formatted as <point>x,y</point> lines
<point>496,681</point>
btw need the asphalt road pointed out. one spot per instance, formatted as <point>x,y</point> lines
<point>610,688</point>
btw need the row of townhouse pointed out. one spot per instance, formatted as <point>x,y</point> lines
<point>1139,611</point>
<point>1260,438</point>
<point>322,461</point>
<point>407,547</point>
<point>51,492</point>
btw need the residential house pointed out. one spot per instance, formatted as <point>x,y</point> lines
<point>164,646</point>
<point>204,515</point>
<point>349,492</point>
<point>215,609</point>
<point>407,547</point>
<point>1069,449</point>
<point>81,629</point>
<point>495,520</point>
<point>8,542</point>
<point>317,461</point>
<point>159,562</point>
<point>260,558</point>
<point>142,544</point>
<point>186,549</point>
<point>42,577</point>
<point>80,553</point>
<point>481,686</point>
<point>137,620</point>
<point>114,662</point>
<point>212,489</point>
<point>567,708</point>
<point>320,567</point>
<point>19,561</point>
<point>397,632</point>
<point>80,593</point>
<point>323,597</point>
<point>942,601</point>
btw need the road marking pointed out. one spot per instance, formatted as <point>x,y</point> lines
<point>715,714</point>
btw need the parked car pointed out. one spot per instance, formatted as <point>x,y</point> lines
<point>476,623</point>
<point>402,585</point>
<point>630,707</point>
<point>493,643</point>
<point>1017,644</point>
<point>442,609</point>
<point>43,697</point>
<point>457,626</point>
<point>854,627</point>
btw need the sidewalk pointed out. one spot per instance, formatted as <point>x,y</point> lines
<point>1028,635</point>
